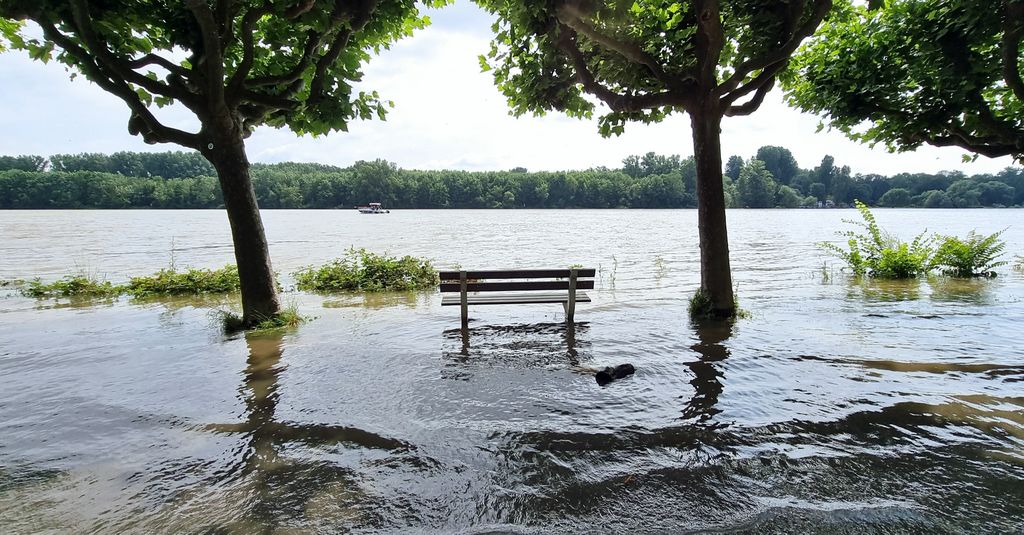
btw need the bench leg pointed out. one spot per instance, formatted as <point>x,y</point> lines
<point>570,306</point>
<point>463,302</point>
<point>465,342</point>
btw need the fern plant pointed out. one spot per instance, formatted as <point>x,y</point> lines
<point>876,253</point>
<point>974,256</point>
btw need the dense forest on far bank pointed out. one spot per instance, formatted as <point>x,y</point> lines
<point>770,178</point>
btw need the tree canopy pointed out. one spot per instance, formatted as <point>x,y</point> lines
<point>282,63</point>
<point>644,60</point>
<point>910,72</point>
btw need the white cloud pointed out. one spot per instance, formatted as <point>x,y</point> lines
<point>448,114</point>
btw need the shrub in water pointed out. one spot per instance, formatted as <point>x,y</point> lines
<point>974,256</point>
<point>71,285</point>
<point>191,281</point>
<point>288,317</point>
<point>361,270</point>
<point>878,254</point>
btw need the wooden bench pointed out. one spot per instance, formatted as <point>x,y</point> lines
<point>561,286</point>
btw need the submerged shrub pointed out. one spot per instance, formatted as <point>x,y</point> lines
<point>878,254</point>
<point>361,270</point>
<point>287,317</point>
<point>69,286</point>
<point>190,281</point>
<point>974,256</point>
<point>700,307</point>
<point>1019,266</point>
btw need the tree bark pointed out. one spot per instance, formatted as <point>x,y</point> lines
<point>715,272</point>
<point>226,151</point>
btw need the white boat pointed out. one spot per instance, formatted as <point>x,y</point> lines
<point>372,208</point>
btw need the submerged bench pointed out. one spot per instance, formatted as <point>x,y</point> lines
<point>544,286</point>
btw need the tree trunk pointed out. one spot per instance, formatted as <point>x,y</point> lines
<point>715,273</point>
<point>259,291</point>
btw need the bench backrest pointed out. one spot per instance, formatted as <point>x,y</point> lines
<point>560,280</point>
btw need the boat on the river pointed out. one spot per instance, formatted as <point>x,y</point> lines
<point>372,208</point>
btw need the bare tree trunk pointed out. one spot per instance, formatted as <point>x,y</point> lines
<point>259,291</point>
<point>715,273</point>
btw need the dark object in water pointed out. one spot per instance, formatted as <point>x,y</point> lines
<point>610,374</point>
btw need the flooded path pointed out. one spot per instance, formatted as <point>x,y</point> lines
<point>838,406</point>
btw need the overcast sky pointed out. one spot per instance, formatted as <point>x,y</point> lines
<point>447,115</point>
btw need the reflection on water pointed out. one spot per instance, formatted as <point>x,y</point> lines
<point>375,300</point>
<point>541,345</point>
<point>707,383</point>
<point>978,291</point>
<point>883,290</point>
<point>850,407</point>
<point>281,487</point>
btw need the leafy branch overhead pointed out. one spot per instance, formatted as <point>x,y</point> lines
<point>911,72</point>
<point>643,59</point>
<point>282,63</point>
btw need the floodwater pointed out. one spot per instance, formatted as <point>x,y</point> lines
<point>837,406</point>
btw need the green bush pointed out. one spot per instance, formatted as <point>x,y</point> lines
<point>71,285</point>
<point>878,254</point>
<point>700,305</point>
<point>191,281</point>
<point>974,256</point>
<point>289,316</point>
<point>1019,266</point>
<point>363,271</point>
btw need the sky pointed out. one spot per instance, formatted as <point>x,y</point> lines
<point>447,115</point>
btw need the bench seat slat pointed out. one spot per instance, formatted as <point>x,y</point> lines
<point>514,299</point>
<point>515,286</point>
<point>517,274</point>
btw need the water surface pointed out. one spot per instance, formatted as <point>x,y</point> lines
<point>838,406</point>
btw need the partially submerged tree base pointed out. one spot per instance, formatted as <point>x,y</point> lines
<point>702,308</point>
<point>233,323</point>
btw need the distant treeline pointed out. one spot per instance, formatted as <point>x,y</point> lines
<point>771,178</point>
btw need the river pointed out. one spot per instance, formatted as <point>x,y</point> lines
<point>836,406</point>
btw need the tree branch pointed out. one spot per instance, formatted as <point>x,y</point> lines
<point>248,47</point>
<point>313,41</point>
<point>155,132</point>
<point>1013,24</point>
<point>766,77</point>
<point>153,59</point>
<point>211,61</point>
<point>570,15</point>
<point>269,101</point>
<point>985,147</point>
<point>709,40</point>
<point>783,53</point>
<point>356,23</point>
<point>300,8</point>
<point>225,19</point>
<point>566,42</point>
<point>122,68</point>
<point>754,103</point>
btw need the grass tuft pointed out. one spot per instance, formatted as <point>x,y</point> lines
<point>362,271</point>
<point>188,282</point>
<point>700,307</point>
<point>288,317</point>
<point>70,286</point>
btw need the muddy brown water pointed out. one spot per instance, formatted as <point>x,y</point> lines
<point>837,406</point>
